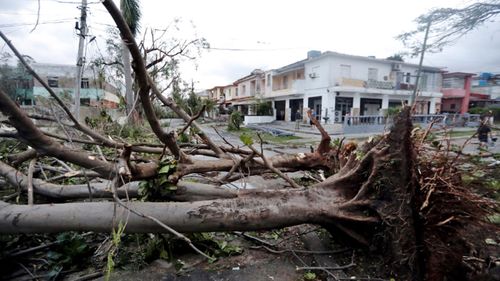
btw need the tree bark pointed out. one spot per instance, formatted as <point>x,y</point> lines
<point>129,94</point>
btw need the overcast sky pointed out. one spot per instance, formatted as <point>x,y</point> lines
<point>246,35</point>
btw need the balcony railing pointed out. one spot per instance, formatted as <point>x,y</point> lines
<point>376,84</point>
<point>297,87</point>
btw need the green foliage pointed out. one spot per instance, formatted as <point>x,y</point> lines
<point>396,57</point>
<point>160,111</point>
<point>335,143</point>
<point>263,108</point>
<point>160,186</point>
<point>484,110</point>
<point>235,121</point>
<point>495,218</point>
<point>71,250</point>
<point>100,122</point>
<point>193,103</point>
<point>116,236</point>
<point>215,245</point>
<point>183,138</point>
<point>246,139</point>
<point>131,12</point>
<point>309,276</point>
<point>392,111</point>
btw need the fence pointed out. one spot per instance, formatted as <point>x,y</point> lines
<point>378,123</point>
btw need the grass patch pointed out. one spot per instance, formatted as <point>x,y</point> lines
<point>266,137</point>
<point>277,139</point>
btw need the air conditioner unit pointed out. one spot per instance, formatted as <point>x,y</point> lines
<point>396,66</point>
<point>337,118</point>
<point>313,75</point>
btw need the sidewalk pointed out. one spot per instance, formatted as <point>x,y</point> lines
<point>305,130</point>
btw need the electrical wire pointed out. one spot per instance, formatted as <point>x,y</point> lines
<point>8,25</point>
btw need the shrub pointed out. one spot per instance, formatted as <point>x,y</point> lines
<point>235,120</point>
<point>263,108</point>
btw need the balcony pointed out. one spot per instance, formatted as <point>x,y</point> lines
<point>297,88</point>
<point>375,84</point>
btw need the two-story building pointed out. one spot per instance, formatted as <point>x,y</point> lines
<point>245,92</point>
<point>94,91</point>
<point>338,84</point>
<point>456,91</point>
<point>488,84</point>
<point>333,84</point>
<point>285,88</point>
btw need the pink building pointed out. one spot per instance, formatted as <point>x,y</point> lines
<point>456,92</point>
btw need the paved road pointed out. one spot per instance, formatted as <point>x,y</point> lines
<point>310,135</point>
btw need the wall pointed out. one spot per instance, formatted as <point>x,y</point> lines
<point>258,119</point>
<point>492,91</point>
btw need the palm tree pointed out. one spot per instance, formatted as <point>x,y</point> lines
<point>131,13</point>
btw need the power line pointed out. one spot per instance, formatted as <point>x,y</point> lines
<point>47,22</point>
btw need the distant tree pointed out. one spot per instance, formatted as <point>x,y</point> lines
<point>448,25</point>
<point>210,106</point>
<point>396,57</point>
<point>7,74</point>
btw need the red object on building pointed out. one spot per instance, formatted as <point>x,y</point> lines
<point>456,92</point>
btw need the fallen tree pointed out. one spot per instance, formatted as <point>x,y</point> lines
<point>388,194</point>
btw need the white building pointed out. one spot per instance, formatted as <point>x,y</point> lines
<point>334,84</point>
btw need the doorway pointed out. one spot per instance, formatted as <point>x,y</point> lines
<point>296,105</point>
<point>314,103</point>
<point>280,109</point>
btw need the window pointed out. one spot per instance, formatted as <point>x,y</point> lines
<point>53,82</point>
<point>24,84</point>
<point>268,80</point>
<point>85,101</point>
<point>372,74</point>
<point>408,76</point>
<point>85,83</point>
<point>243,90</point>
<point>452,106</point>
<point>345,71</point>
<point>285,82</point>
<point>236,91</point>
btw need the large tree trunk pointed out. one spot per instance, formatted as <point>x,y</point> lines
<point>129,93</point>
<point>368,196</point>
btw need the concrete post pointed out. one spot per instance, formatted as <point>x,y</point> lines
<point>356,105</point>
<point>432,106</point>
<point>288,111</point>
<point>385,105</point>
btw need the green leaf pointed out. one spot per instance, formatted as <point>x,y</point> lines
<point>164,170</point>
<point>309,276</point>
<point>246,139</point>
<point>163,180</point>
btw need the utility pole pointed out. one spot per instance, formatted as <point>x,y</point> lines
<point>414,95</point>
<point>80,60</point>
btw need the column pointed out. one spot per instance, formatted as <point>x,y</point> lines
<point>432,106</point>
<point>305,108</point>
<point>274,109</point>
<point>356,105</point>
<point>288,110</point>
<point>328,106</point>
<point>385,105</point>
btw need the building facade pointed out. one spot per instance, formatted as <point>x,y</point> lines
<point>334,85</point>
<point>245,92</point>
<point>94,91</point>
